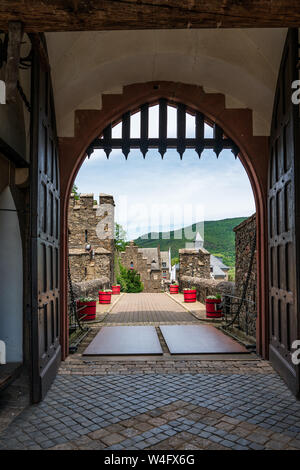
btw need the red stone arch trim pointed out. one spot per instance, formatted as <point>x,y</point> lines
<point>236,123</point>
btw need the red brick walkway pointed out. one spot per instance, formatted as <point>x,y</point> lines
<point>153,308</point>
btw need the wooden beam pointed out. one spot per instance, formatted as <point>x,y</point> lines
<point>82,15</point>
<point>15,33</point>
<point>12,155</point>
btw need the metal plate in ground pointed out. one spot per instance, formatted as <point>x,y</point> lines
<point>202,339</point>
<point>124,340</point>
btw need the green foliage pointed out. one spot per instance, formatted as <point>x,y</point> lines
<point>231,275</point>
<point>219,239</point>
<point>75,192</point>
<point>120,236</point>
<point>174,260</point>
<point>129,280</point>
<point>87,299</point>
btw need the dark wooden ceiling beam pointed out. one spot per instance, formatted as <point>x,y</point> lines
<point>84,15</point>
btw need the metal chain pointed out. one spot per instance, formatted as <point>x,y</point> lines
<point>73,305</point>
<point>245,287</point>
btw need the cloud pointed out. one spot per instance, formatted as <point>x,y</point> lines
<point>219,187</point>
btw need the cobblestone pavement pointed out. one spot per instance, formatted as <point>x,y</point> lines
<point>160,411</point>
<point>165,402</point>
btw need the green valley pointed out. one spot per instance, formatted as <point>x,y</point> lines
<point>219,239</point>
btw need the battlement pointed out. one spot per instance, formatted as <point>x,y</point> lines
<point>87,201</point>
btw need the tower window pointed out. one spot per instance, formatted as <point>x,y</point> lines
<point>86,235</point>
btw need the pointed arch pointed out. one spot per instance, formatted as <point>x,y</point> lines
<point>236,124</point>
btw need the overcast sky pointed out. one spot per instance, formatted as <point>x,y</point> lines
<point>160,195</point>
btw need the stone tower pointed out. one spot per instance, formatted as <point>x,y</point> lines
<point>91,237</point>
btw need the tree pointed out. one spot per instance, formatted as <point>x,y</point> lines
<point>129,280</point>
<point>174,261</point>
<point>120,236</point>
<point>75,192</point>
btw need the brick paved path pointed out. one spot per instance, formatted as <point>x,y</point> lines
<point>153,308</point>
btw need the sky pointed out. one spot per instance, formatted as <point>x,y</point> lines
<point>152,194</point>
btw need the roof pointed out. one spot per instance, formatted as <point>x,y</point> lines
<point>216,261</point>
<point>219,268</point>
<point>151,254</point>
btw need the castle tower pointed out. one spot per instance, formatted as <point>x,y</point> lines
<point>91,237</point>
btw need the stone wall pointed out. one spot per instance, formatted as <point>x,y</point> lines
<point>206,287</point>
<point>91,224</point>
<point>195,263</point>
<point>85,268</point>
<point>244,234</point>
<point>150,278</point>
<point>90,288</point>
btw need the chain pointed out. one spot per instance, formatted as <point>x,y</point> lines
<point>73,305</point>
<point>245,287</point>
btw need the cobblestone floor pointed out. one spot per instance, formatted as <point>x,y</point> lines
<point>164,403</point>
<point>159,411</point>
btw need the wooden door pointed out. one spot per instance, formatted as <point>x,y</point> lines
<point>45,213</point>
<point>284,224</point>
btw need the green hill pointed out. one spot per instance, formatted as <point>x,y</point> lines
<point>218,239</point>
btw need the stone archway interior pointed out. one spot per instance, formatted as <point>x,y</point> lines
<point>11,279</point>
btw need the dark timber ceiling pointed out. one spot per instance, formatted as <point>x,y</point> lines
<point>89,15</point>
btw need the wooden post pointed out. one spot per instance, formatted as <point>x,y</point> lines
<point>15,33</point>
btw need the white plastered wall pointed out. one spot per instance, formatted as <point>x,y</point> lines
<point>240,63</point>
<point>11,279</point>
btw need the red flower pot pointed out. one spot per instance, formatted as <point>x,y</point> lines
<point>104,297</point>
<point>116,290</point>
<point>190,295</point>
<point>174,289</point>
<point>213,308</point>
<point>89,312</point>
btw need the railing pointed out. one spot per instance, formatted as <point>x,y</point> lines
<point>240,313</point>
<point>77,331</point>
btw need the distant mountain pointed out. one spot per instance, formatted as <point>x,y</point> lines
<point>219,239</point>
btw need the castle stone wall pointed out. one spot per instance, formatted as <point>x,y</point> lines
<point>91,224</point>
<point>194,263</point>
<point>150,278</point>
<point>244,234</point>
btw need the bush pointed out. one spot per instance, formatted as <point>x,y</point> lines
<point>129,280</point>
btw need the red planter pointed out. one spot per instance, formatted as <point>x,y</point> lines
<point>116,290</point>
<point>89,312</point>
<point>174,289</point>
<point>190,295</point>
<point>104,297</point>
<point>213,308</point>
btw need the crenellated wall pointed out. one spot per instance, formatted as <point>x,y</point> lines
<point>91,224</point>
<point>195,263</point>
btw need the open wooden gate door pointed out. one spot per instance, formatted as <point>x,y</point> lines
<point>284,223</point>
<point>45,210</point>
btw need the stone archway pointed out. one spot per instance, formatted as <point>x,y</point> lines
<point>236,123</point>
